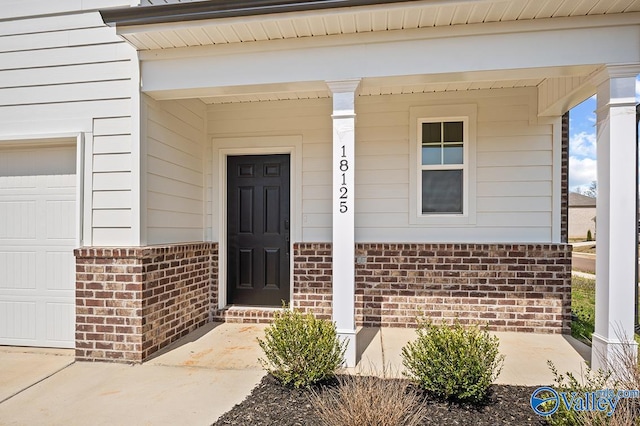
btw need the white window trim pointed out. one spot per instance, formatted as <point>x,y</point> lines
<point>467,113</point>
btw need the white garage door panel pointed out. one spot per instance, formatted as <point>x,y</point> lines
<point>17,270</point>
<point>37,238</point>
<point>17,321</point>
<point>59,315</point>
<point>58,226</point>
<point>18,220</point>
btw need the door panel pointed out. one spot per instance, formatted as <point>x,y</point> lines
<point>258,204</point>
<point>37,238</point>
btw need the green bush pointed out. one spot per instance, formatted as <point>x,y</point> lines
<point>300,349</point>
<point>453,362</point>
<point>589,236</point>
<point>590,382</point>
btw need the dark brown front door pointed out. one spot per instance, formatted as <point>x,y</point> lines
<point>258,229</point>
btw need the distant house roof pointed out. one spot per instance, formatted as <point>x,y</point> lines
<point>579,200</point>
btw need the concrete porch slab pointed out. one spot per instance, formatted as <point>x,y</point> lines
<point>526,355</point>
<point>204,375</point>
<point>21,367</point>
<point>218,346</point>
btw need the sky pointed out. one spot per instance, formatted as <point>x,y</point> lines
<point>582,143</point>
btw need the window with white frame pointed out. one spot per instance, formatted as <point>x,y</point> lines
<point>442,165</point>
<point>442,174</point>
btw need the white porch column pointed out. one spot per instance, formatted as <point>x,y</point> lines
<point>616,225</point>
<point>343,213</point>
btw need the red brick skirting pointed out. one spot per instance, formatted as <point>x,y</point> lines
<point>130,302</point>
<point>510,287</point>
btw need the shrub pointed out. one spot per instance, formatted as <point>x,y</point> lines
<point>453,362</point>
<point>591,381</point>
<point>369,401</point>
<point>589,236</point>
<point>621,372</point>
<point>301,349</point>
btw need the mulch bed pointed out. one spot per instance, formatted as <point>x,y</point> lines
<point>270,403</point>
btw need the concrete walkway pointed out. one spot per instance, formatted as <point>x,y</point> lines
<point>204,375</point>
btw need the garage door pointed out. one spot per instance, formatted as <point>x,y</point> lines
<point>37,237</point>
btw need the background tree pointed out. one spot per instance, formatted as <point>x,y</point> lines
<point>592,191</point>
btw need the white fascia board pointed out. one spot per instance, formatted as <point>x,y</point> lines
<point>372,37</point>
<point>478,53</point>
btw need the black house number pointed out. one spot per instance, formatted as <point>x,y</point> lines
<point>344,191</point>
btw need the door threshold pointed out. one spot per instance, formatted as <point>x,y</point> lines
<point>245,314</point>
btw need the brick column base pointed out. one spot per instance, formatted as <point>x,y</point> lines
<point>131,302</point>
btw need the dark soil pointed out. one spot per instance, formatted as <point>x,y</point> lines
<point>270,403</point>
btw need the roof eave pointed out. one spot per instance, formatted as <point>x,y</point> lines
<point>217,9</point>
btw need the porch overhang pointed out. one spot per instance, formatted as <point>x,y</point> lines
<point>287,50</point>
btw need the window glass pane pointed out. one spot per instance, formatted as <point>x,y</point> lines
<point>453,154</point>
<point>431,132</point>
<point>453,131</point>
<point>431,154</point>
<point>442,191</point>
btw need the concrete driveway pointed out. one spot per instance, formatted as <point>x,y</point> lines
<point>192,383</point>
<point>21,368</point>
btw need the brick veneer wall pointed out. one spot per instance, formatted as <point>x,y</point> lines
<point>130,302</point>
<point>312,275</point>
<point>511,287</point>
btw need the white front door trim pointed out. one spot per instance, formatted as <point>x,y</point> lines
<point>255,145</point>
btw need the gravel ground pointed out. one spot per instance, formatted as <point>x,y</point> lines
<point>273,404</point>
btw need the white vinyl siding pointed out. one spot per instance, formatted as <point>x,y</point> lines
<point>19,8</point>
<point>72,74</point>
<point>175,173</point>
<point>512,186</point>
<point>309,118</point>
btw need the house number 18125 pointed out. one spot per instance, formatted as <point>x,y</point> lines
<point>344,191</point>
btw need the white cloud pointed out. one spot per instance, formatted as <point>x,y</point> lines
<point>582,171</point>
<point>583,145</point>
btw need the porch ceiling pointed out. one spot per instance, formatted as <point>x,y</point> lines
<point>260,26</point>
<point>432,83</point>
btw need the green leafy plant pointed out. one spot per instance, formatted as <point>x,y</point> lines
<point>621,371</point>
<point>300,349</point>
<point>589,236</point>
<point>590,381</point>
<point>453,362</point>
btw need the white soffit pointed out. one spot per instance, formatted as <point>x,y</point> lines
<point>365,19</point>
<point>431,83</point>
